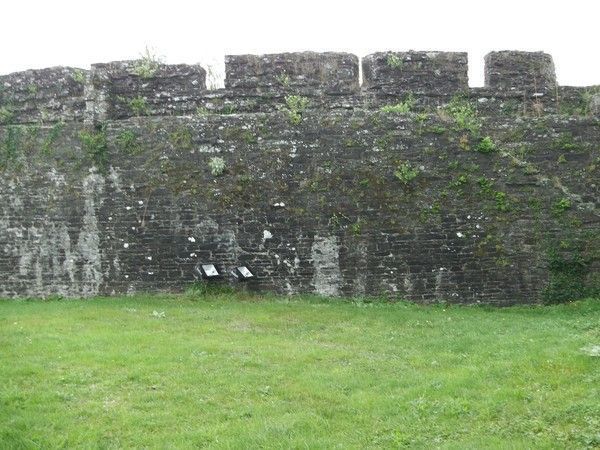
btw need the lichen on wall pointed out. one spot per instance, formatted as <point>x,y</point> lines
<point>412,185</point>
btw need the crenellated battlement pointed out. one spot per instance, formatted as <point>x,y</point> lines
<point>404,183</point>
<point>515,82</point>
<point>45,95</point>
<point>416,73</point>
<point>530,72</point>
<point>122,89</point>
<point>308,73</point>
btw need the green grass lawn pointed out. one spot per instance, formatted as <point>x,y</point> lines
<point>246,372</point>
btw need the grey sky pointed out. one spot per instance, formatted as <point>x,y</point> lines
<point>37,34</point>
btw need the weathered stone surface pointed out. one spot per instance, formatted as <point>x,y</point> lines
<point>532,72</point>
<point>344,199</point>
<point>595,104</point>
<point>45,95</point>
<point>315,73</point>
<point>432,73</point>
<point>124,89</point>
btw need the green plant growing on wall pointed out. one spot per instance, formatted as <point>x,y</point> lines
<point>335,221</point>
<point>127,141</point>
<point>249,137</point>
<point>472,167</point>
<point>139,106</point>
<point>295,106</point>
<point>202,111</point>
<point>44,115</point>
<point>460,181</point>
<point>6,114</point>
<point>356,227</point>
<point>402,107</point>
<point>283,79</point>
<point>502,201</point>
<point>453,165</point>
<point>147,65</point>
<point>464,115</point>
<point>349,142</point>
<point>11,148</point>
<point>95,145</point>
<point>394,61</point>
<point>228,109</point>
<point>216,164</point>
<point>181,138</point>
<point>384,142</point>
<point>566,142</point>
<point>582,106</point>
<point>562,205</point>
<point>586,99</point>
<point>436,129</point>
<point>486,145</point>
<point>530,169</point>
<point>406,173</point>
<point>53,135</point>
<point>78,76</point>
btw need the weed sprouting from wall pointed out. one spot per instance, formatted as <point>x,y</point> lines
<point>402,107</point>
<point>78,76</point>
<point>148,64</point>
<point>502,201</point>
<point>283,79</point>
<point>52,137</point>
<point>295,106</point>
<point>95,145</point>
<point>139,106</point>
<point>11,148</point>
<point>216,164</point>
<point>181,138</point>
<point>486,145</point>
<point>562,205</point>
<point>464,115</point>
<point>128,142</point>
<point>6,114</point>
<point>394,61</point>
<point>406,173</point>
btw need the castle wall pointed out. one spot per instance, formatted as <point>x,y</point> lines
<point>410,186</point>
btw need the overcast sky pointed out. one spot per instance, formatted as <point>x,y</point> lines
<point>36,34</point>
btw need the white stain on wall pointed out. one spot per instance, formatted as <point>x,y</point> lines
<point>327,277</point>
<point>88,243</point>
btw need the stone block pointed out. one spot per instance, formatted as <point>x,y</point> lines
<point>42,96</point>
<point>322,73</point>
<point>532,72</point>
<point>124,89</point>
<point>397,73</point>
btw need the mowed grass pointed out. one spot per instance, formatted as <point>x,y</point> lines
<point>234,371</point>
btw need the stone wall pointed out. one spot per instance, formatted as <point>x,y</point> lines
<point>410,186</point>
